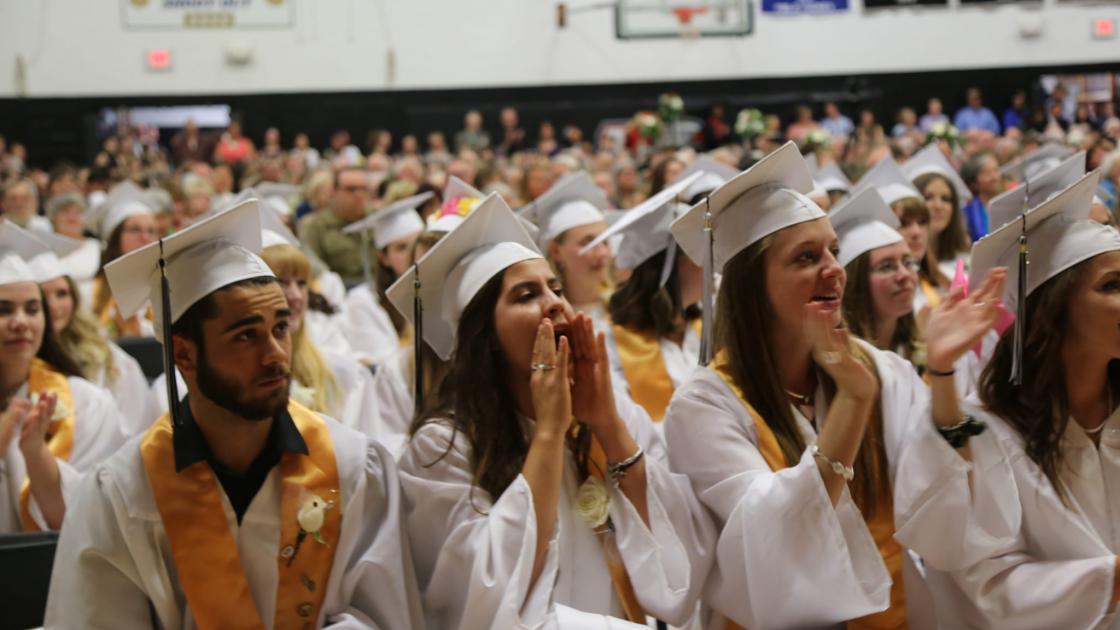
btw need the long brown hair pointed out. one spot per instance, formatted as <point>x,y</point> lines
<point>475,400</point>
<point>745,323</point>
<point>82,341</point>
<point>909,210</point>
<point>860,319</point>
<point>111,252</point>
<point>641,304</point>
<point>953,240</point>
<point>1038,410</point>
<point>384,277</point>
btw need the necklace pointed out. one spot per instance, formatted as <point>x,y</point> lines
<point>1101,426</point>
<point>804,401</point>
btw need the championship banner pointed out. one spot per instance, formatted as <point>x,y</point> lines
<point>804,7</point>
<point>175,14</point>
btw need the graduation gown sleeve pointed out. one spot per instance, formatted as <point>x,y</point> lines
<point>785,557</point>
<point>367,326</point>
<point>132,393</point>
<point>392,390</point>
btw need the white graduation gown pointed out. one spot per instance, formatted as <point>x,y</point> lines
<point>1006,552</point>
<point>780,534</point>
<point>97,435</point>
<point>114,567</point>
<point>367,326</point>
<point>395,405</point>
<point>474,556</point>
<point>326,332</point>
<point>138,407</point>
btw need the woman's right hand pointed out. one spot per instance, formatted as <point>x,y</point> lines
<point>552,393</point>
<point>10,421</point>
<point>832,352</point>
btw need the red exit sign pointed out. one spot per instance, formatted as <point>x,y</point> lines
<point>159,59</point>
<point>1104,29</point>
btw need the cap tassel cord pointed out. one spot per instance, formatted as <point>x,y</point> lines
<point>1021,295</point>
<point>165,329</point>
<point>669,264</point>
<point>706,302</point>
<point>417,342</point>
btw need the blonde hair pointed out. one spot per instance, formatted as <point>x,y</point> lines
<point>82,340</point>
<point>308,365</point>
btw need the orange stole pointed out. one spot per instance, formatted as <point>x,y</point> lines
<point>881,525</point>
<point>644,367</point>
<point>111,320</point>
<point>202,545</point>
<point>933,298</point>
<point>623,588</point>
<point>60,434</point>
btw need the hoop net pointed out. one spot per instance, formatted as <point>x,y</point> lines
<point>688,30</point>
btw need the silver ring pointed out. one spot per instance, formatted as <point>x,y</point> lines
<point>541,366</point>
<point>830,358</point>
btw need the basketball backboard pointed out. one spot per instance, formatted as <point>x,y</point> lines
<point>636,19</point>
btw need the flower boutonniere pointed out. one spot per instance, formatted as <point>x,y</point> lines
<point>593,502</point>
<point>311,516</point>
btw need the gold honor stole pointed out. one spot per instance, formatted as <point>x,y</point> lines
<point>644,368</point>
<point>881,525</point>
<point>203,547</point>
<point>623,588</point>
<point>933,298</point>
<point>60,433</point>
<point>111,320</point>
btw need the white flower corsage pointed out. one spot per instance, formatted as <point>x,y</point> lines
<point>593,502</point>
<point>60,410</point>
<point>311,516</point>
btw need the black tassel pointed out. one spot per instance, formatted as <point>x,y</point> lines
<point>165,329</point>
<point>707,303</point>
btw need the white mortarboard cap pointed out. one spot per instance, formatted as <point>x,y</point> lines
<point>890,181</point>
<point>459,199</point>
<point>17,248</point>
<point>1042,159</point>
<point>713,174</point>
<point>1059,236</point>
<point>392,222</point>
<point>864,222</point>
<point>456,187</point>
<point>213,253</point>
<point>754,204</point>
<point>276,189</point>
<point>572,201</point>
<point>125,200</point>
<point>830,178</point>
<point>932,160</point>
<point>488,241</point>
<point>273,230</point>
<point>48,265</point>
<point>645,227</point>
<point>1008,205</point>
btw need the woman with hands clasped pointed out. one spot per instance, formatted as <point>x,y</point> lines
<point>536,495</point>
<point>790,435</point>
<point>1011,497</point>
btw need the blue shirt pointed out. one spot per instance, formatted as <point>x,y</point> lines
<point>841,126</point>
<point>976,216</point>
<point>1013,117</point>
<point>982,118</point>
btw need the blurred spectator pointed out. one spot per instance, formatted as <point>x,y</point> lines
<point>717,131</point>
<point>19,204</point>
<point>302,149</point>
<point>801,126</point>
<point>437,149</point>
<point>189,145</point>
<point>472,136</point>
<point>835,123</point>
<point>322,231</point>
<point>906,123</point>
<point>233,147</point>
<point>975,116</point>
<point>546,139</point>
<point>341,152</point>
<point>981,174</point>
<point>513,136</point>
<point>271,148</point>
<point>1015,116</point>
<point>934,114</point>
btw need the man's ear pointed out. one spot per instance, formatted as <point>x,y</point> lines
<point>184,352</point>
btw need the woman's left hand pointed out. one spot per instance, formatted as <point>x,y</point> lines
<point>592,393</point>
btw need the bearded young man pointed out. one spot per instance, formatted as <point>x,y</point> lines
<point>240,507</point>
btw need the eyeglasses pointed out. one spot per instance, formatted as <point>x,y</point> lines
<point>891,267</point>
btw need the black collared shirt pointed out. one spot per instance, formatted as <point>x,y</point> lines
<point>191,447</point>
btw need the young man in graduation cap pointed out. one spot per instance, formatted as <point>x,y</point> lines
<point>239,507</point>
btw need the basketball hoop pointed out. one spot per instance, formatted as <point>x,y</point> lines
<point>687,29</point>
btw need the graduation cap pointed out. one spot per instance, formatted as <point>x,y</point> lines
<point>887,178</point>
<point>713,174</point>
<point>829,177</point>
<point>1042,159</point>
<point>48,265</point>
<point>17,248</point>
<point>754,204</point>
<point>1052,237</point>
<point>864,222</point>
<point>932,160</point>
<point>1007,206</point>
<point>572,201</point>
<point>176,272</point>
<point>459,199</point>
<point>124,200</point>
<point>645,229</point>
<point>388,224</point>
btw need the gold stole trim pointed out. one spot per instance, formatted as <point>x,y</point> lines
<point>60,434</point>
<point>644,368</point>
<point>111,321</point>
<point>203,547</point>
<point>933,298</point>
<point>623,588</point>
<point>881,525</point>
